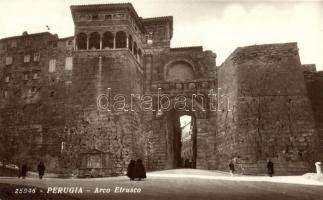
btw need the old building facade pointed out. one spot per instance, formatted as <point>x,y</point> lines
<point>268,105</point>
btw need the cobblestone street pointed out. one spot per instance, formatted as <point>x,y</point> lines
<point>182,184</point>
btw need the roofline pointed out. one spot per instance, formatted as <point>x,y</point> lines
<point>33,34</point>
<point>160,19</point>
<point>129,6</point>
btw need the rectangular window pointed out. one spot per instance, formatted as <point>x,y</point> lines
<point>25,77</point>
<point>13,44</point>
<point>8,60</point>
<point>82,17</point>
<point>107,17</point>
<point>95,17</point>
<point>27,43</point>
<point>5,93</point>
<point>26,58</point>
<point>52,65</point>
<point>36,57</point>
<point>68,63</point>
<point>7,79</point>
<point>35,76</point>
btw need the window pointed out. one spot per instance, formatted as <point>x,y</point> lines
<point>35,76</point>
<point>149,37</point>
<point>5,93</point>
<point>27,43</point>
<point>52,65</point>
<point>54,44</point>
<point>36,57</point>
<point>29,92</point>
<point>68,63</point>
<point>8,60</point>
<point>7,79</point>
<point>119,16</point>
<point>95,17</point>
<point>52,93</point>
<point>69,43</point>
<point>107,17</point>
<point>25,77</point>
<point>26,58</point>
<point>82,17</point>
<point>13,44</point>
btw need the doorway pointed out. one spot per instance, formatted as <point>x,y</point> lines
<point>181,140</point>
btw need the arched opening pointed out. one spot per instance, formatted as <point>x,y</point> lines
<point>130,42</point>
<point>135,49</point>
<point>179,71</point>
<point>121,40</point>
<point>181,140</point>
<point>107,40</point>
<point>81,41</point>
<point>139,55</point>
<point>94,41</point>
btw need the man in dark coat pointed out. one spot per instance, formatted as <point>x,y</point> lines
<point>231,167</point>
<point>131,169</point>
<point>270,168</point>
<point>140,171</point>
<point>41,169</point>
<point>24,170</point>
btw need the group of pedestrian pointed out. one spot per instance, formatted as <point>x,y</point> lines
<point>136,170</point>
<point>24,170</point>
<point>270,168</point>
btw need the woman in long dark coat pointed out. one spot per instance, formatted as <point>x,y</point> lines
<point>131,169</point>
<point>41,170</point>
<point>231,167</point>
<point>270,168</point>
<point>140,171</point>
<point>24,170</point>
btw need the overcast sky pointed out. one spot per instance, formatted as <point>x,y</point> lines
<point>218,25</point>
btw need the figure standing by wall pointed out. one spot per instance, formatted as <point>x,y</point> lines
<point>24,170</point>
<point>41,169</point>
<point>231,167</point>
<point>131,170</point>
<point>270,168</point>
<point>140,171</point>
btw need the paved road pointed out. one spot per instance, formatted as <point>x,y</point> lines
<point>187,184</point>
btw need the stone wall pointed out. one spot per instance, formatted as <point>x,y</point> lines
<point>272,115</point>
<point>314,83</point>
<point>88,127</point>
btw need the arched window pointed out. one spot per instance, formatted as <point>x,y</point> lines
<point>179,71</point>
<point>81,41</point>
<point>135,49</point>
<point>121,40</point>
<point>130,42</point>
<point>139,55</point>
<point>107,40</point>
<point>94,41</point>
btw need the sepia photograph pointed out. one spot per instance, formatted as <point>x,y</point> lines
<point>161,99</point>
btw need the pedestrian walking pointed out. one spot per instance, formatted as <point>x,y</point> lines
<point>24,170</point>
<point>41,169</point>
<point>231,167</point>
<point>131,170</point>
<point>270,168</point>
<point>140,171</point>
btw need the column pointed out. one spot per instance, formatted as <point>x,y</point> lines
<point>74,44</point>
<point>127,42</point>
<point>87,43</point>
<point>100,42</point>
<point>114,41</point>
